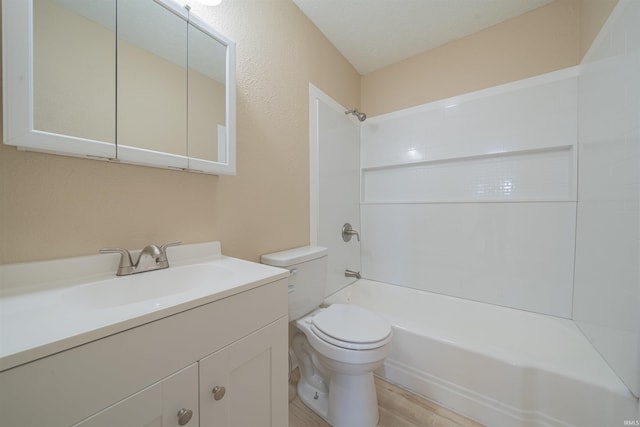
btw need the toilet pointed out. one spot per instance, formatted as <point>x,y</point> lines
<point>337,347</point>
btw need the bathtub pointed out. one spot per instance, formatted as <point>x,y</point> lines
<point>496,365</point>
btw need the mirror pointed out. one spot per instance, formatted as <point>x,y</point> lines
<point>159,91</point>
<point>74,60</point>
<point>207,95</point>
<point>152,83</point>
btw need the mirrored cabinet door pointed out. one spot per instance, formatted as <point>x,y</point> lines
<point>211,92</point>
<point>59,76</point>
<point>74,57</point>
<point>207,97</point>
<point>152,84</point>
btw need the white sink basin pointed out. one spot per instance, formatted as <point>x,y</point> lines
<point>148,287</point>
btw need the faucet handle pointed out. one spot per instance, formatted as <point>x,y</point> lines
<point>166,245</point>
<point>163,252</point>
<point>126,265</point>
<point>348,231</point>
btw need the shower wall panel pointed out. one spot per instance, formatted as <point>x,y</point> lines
<point>512,254</point>
<point>475,196</point>
<point>335,165</point>
<point>607,280</point>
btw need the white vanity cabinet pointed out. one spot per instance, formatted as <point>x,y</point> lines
<point>172,401</point>
<point>237,386</point>
<point>145,375</point>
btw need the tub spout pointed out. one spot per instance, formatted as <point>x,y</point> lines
<point>351,273</point>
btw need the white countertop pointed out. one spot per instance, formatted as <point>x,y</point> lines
<point>50,306</point>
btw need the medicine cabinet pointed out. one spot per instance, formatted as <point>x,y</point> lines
<point>136,81</point>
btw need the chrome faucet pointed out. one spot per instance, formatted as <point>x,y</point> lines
<point>151,258</point>
<point>351,273</point>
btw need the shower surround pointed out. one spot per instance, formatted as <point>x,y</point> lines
<point>475,197</point>
<point>493,197</point>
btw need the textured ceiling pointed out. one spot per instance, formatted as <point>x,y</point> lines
<point>374,33</point>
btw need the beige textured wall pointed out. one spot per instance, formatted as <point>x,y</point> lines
<point>55,206</point>
<point>550,38</point>
<point>540,41</point>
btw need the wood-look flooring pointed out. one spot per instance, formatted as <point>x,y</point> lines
<point>398,408</point>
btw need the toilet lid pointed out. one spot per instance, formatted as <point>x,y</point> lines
<point>350,326</point>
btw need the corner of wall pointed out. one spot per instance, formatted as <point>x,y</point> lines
<point>593,15</point>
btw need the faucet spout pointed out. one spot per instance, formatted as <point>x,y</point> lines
<point>149,259</point>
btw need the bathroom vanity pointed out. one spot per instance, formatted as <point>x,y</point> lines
<point>212,351</point>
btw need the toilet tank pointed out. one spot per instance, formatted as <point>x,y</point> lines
<point>308,266</point>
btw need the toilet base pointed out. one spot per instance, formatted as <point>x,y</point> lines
<point>317,401</point>
<point>353,401</point>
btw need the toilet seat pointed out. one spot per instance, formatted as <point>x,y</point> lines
<point>351,327</point>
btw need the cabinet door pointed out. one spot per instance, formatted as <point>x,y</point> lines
<point>253,372</point>
<point>155,406</point>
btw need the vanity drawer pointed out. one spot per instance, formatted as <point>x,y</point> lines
<point>67,387</point>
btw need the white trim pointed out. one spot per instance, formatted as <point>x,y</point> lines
<point>222,142</point>
<point>314,165</point>
<point>316,95</point>
<point>16,70</point>
<point>229,168</point>
<point>142,156</point>
<point>54,143</point>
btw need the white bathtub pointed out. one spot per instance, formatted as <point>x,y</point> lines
<point>498,366</point>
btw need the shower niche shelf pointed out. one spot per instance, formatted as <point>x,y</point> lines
<point>530,175</point>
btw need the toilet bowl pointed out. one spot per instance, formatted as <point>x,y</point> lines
<point>342,362</point>
<point>337,348</point>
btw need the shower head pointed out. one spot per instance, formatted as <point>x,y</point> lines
<point>361,116</point>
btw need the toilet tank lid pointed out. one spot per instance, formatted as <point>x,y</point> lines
<point>293,256</point>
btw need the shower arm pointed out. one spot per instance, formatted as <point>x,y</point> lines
<point>360,115</point>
